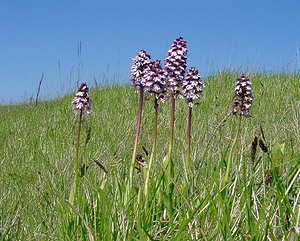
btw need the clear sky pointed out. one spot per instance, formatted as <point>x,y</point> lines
<point>45,36</point>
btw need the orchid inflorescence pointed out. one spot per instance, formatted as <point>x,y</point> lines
<point>82,102</point>
<point>242,96</point>
<point>192,86</point>
<point>155,80</point>
<point>139,67</point>
<point>173,78</point>
<point>175,65</point>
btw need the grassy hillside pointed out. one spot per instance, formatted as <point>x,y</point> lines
<point>260,202</point>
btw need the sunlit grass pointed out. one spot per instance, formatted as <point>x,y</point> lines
<point>37,162</point>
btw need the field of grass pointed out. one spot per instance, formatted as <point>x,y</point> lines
<point>261,200</point>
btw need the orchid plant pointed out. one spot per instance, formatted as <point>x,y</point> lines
<point>175,69</point>
<point>138,70</point>
<point>242,101</point>
<point>192,87</point>
<point>156,86</point>
<point>82,105</point>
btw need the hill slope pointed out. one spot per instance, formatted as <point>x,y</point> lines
<point>37,167</point>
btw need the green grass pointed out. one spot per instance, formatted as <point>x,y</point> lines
<point>37,161</point>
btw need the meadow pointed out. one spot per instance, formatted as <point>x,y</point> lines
<point>261,200</point>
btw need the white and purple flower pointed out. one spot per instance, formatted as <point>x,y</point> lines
<point>192,86</point>
<point>242,96</point>
<point>82,102</point>
<point>175,65</point>
<point>155,81</point>
<point>139,67</point>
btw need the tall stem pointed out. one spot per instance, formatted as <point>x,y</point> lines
<point>73,193</point>
<point>136,142</point>
<point>153,147</point>
<point>172,122</point>
<point>188,149</point>
<point>168,162</point>
<point>231,149</point>
<point>77,146</point>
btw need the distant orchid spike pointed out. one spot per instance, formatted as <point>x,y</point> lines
<point>155,81</point>
<point>175,64</point>
<point>82,104</point>
<point>192,86</point>
<point>242,96</point>
<point>82,101</point>
<point>138,69</point>
<point>242,101</point>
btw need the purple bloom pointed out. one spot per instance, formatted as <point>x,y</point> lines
<point>192,86</point>
<point>242,96</point>
<point>175,64</point>
<point>155,82</point>
<point>82,101</point>
<point>138,68</point>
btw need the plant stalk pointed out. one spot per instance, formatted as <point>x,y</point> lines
<point>137,135</point>
<point>188,149</point>
<point>231,149</point>
<point>73,193</point>
<point>172,123</point>
<point>153,147</point>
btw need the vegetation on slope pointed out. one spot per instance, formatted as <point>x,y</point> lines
<point>260,201</point>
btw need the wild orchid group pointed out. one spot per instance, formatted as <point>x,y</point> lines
<point>163,83</point>
<point>171,82</point>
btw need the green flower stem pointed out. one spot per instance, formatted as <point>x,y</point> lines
<point>73,194</point>
<point>188,149</point>
<point>168,162</point>
<point>137,135</point>
<point>153,147</point>
<point>231,149</point>
<point>172,123</point>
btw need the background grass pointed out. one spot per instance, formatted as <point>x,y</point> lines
<point>37,161</point>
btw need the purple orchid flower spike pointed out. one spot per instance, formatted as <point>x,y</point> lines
<point>139,67</point>
<point>82,101</point>
<point>175,64</point>
<point>192,86</point>
<point>242,96</point>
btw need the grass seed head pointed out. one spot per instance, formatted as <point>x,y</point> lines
<point>138,69</point>
<point>253,148</point>
<point>242,96</point>
<point>82,101</point>
<point>192,86</point>
<point>175,64</point>
<point>268,178</point>
<point>140,163</point>
<point>263,146</point>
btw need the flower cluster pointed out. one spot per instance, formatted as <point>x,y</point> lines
<point>138,69</point>
<point>175,64</point>
<point>155,80</point>
<point>242,96</point>
<point>192,86</point>
<point>82,102</point>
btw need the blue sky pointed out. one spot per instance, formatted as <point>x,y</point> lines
<point>45,35</point>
